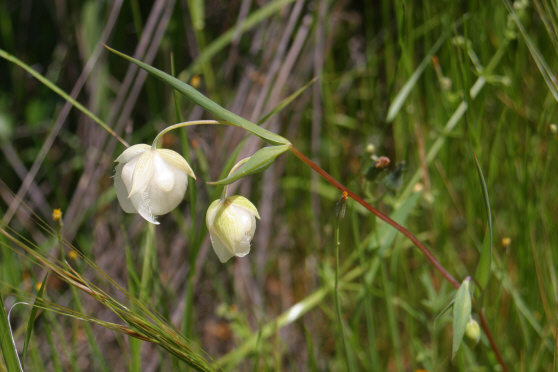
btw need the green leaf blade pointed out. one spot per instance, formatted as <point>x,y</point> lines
<point>6,343</point>
<point>461,314</point>
<point>31,321</point>
<point>206,103</point>
<point>482,274</point>
<point>258,162</point>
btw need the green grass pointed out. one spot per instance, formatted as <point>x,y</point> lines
<point>427,83</point>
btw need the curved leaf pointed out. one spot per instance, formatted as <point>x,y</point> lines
<point>482,273</point>
<point>258,162</point>
<point>206,103</point>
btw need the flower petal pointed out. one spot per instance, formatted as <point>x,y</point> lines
<point>219,247</point>
<point>143,172</point>
<point>243,246</point>
<point>142,203</point>
<point>122,191</point>
<point>242,202</point>
<point>168,186</point>
<point>175,159</point>
<point>131,152</point>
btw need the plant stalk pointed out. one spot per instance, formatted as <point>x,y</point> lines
<point>296,152</point>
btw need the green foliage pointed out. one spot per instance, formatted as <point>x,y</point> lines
<point>423,82</point>
<point>8,348</point>
<point>258,162</point>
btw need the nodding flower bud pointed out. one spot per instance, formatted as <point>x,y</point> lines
<point>231,224</point>
<point>150,181</point>
<point>472,332</point>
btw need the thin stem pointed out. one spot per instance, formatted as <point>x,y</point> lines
<point>336,291</point>
<point>186,124</point>
<point>296,152</point>
<point>486,329</point>
<point>236,166</point>
<point>405,232</point>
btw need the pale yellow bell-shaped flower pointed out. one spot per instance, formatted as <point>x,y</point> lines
<point>150,181</point>
<point>231,224</point>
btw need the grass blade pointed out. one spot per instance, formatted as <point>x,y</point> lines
<point>6,341</point>
<point>60,92</point>
<point>482,275</point>
<point>287,101</point>
<point>31,321</point>
<point>406,90</point>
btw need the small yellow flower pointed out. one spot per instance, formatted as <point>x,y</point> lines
<point>150,181</point>
<point>231,224</point>
<point>57,215</point>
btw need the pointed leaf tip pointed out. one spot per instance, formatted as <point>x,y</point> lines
<point>258,162</point>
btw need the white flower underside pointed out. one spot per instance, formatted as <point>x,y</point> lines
<point>150,183</point>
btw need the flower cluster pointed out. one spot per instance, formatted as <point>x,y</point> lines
<point>152,182</point>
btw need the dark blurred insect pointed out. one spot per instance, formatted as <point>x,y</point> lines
<point>394,179</point>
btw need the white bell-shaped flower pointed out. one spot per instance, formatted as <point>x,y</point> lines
<point>150,181</point>
<point>231,224</point>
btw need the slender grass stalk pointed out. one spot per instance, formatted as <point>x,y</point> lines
<point>6,341</point>
<point>99,359</point>
<point>338,310</point>
<point>61,93</point>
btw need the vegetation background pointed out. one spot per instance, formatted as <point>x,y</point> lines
<point>425,83</point>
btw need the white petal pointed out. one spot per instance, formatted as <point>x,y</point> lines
<point>243,246</point>
<point>211,212</point>
<point>242,202</point>
<point>247,223</point>
<point>142,203</point>
<point>168,186</point>
<point>143,172</point>
<point>131,152</point>
<point>175,159</point>
<point>220,249</point>
<point>122,191</point>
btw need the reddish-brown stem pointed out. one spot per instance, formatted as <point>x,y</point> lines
<point>484,324</point>
<point>378,214</point>
<point>486,329</point>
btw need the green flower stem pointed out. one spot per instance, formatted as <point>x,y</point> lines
<point>186,124</point>
<point>236,166</point>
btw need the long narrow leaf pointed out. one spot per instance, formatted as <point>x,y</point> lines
<point>406,90</point>
<point>284,103</point>
<point>206,103</point>
<point>60,92</point>
<point>482,273</point>
<point>31,321</point>
<point>6,342</point>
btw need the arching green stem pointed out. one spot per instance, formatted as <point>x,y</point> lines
<point>186,124</point>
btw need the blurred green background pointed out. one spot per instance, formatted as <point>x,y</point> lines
<point>424,83</point>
